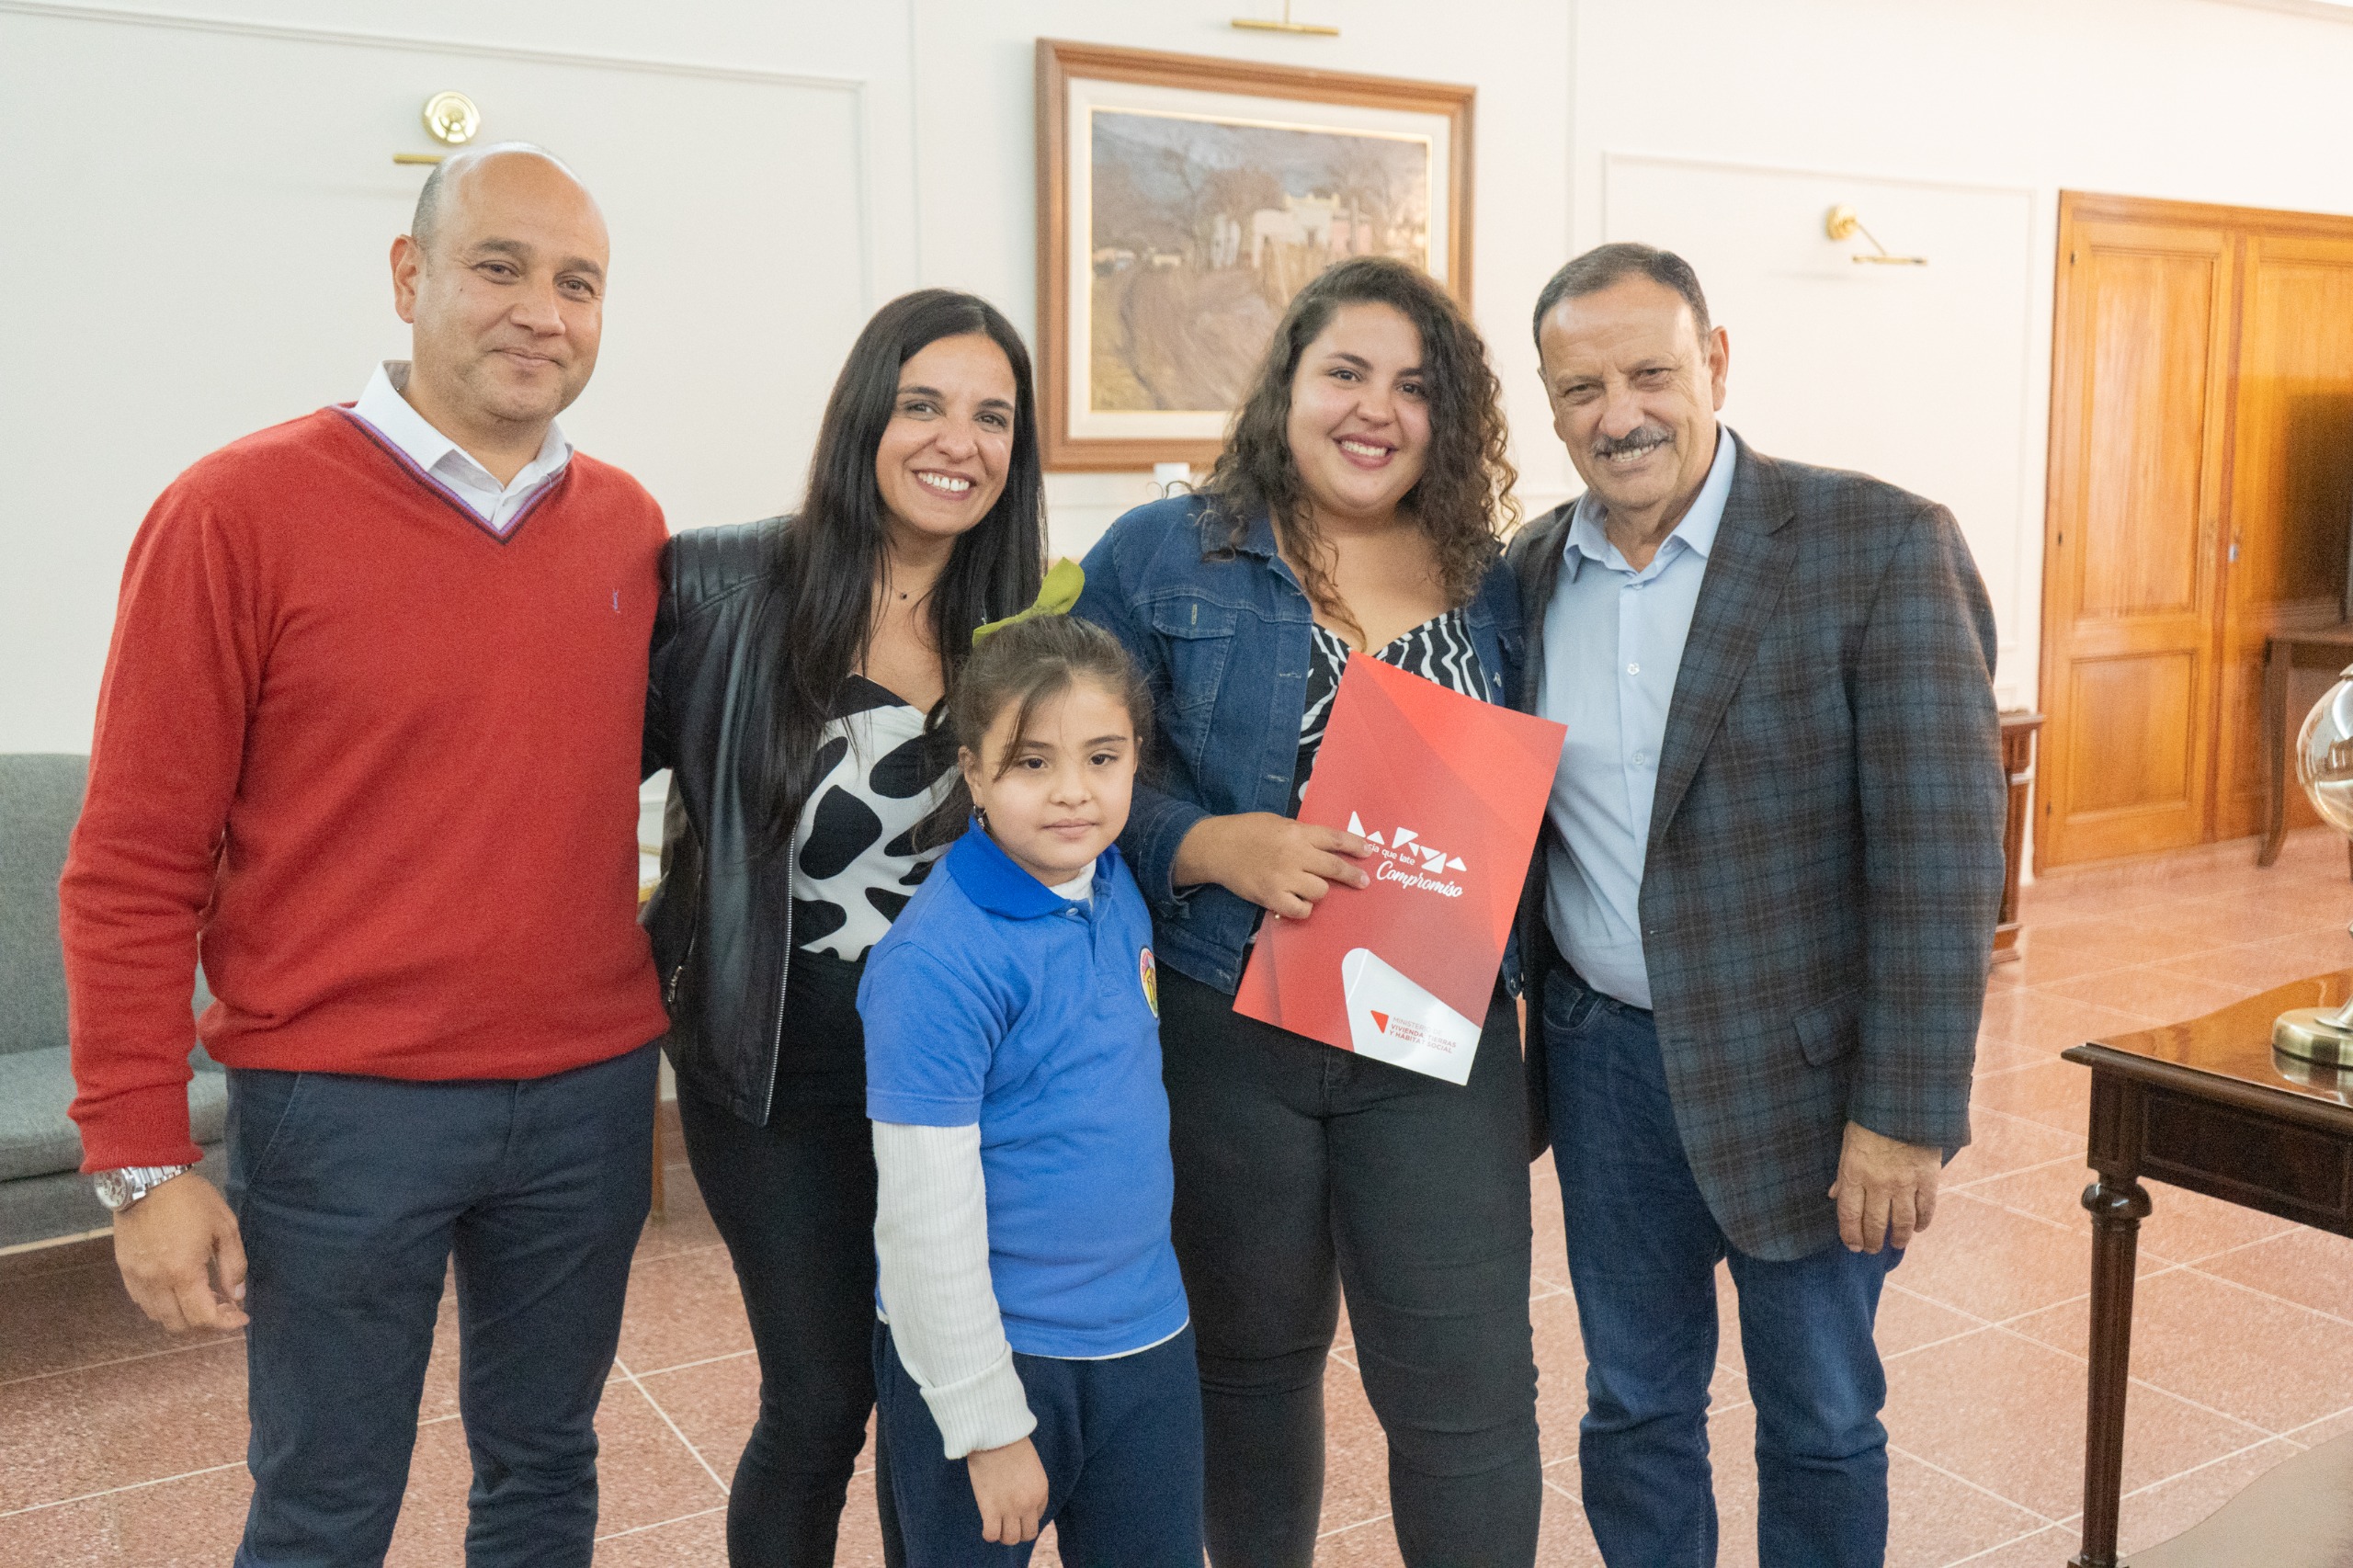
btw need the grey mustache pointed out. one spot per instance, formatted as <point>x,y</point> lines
<point>1640,440</point>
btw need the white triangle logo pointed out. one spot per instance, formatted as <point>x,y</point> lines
<point>1355,824</point>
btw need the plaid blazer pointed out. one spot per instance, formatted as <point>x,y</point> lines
<point>1825,863</point>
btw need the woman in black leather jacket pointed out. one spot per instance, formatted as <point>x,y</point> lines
<point>798,668</point>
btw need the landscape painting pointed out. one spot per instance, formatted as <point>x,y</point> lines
<point>1202,229</point>
<point>1183,201</point>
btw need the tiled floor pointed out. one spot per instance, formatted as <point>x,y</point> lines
<point>119,1447</point>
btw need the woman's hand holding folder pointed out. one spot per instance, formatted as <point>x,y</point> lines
<point>1282,866</point>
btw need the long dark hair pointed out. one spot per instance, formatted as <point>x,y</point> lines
<point>830,554</point>
<point>1463,500</point>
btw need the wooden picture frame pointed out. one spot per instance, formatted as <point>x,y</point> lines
<point>1181,146</point>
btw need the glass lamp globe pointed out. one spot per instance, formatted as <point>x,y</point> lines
<point>2325,768</point>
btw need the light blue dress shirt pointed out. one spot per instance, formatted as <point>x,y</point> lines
<point>1613,641</point>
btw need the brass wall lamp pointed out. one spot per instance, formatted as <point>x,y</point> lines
<point>1841,223</point>
<point>451,119</point>
<point>1252,24</point>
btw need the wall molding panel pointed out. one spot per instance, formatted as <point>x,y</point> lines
<point>856,87</point>
<point>124,16</point>
<point>1617,157</point>
<point>230,196</point>
<point>1930,377</point>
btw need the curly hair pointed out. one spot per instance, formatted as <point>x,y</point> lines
<point>1465,490</point>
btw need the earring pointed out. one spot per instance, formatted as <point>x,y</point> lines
<point>981,815</point>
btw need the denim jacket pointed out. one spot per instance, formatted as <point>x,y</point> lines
<point>1224,645</point>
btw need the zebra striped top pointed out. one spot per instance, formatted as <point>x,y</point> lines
<point>1438,650</point>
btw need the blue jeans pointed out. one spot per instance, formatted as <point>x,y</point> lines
<point>1642,1253</point>
<point>353,1195</point>
<point>1120,1441</point>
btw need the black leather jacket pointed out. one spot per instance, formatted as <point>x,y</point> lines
<point>721,920</point>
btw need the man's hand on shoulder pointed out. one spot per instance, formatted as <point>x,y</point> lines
<point>1886,1189</point>
<point>169,1245</point>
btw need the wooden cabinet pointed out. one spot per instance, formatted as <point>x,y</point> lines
<point>2201,479</point>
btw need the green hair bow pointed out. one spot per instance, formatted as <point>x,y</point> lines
<point>1056,597</point>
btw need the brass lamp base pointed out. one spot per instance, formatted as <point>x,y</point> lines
<point>2314,1034</point>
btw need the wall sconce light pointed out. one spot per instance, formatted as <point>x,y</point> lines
<point>451,119</point>
<point>1252,24</point>
<point>1841,223</point>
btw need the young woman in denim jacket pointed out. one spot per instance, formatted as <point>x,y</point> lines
<point>1356,507</point>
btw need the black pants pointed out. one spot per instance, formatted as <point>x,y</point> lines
<point>794,1201</point>
<point>1301,1171</point>
<point>353,1195</point>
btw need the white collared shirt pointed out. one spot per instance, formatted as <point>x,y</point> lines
<point>1613,643</point>
<point>385,411</point>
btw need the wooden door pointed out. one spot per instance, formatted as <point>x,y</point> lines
<point>2291,487</point>
<point>2131,575</point>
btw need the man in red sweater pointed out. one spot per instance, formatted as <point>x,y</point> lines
<point>368,748</point>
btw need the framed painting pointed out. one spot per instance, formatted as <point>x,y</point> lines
<point>1183,200</point>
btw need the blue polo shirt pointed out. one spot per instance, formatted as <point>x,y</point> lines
<point>994,1000</point>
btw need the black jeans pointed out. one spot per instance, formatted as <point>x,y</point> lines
<point>1301,1171</point>
<point>353,1195</point>
<point>794,1201</point>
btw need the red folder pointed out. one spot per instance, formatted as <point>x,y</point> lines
<point>1450,791</point>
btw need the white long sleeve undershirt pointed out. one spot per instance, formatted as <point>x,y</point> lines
<point>931,1238</point>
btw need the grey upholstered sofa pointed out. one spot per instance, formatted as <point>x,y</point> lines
<point>40,1196</point>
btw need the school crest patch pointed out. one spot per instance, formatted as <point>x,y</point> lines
<point>1150,979</point>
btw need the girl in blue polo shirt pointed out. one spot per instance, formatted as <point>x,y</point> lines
<point>1035,1362</point>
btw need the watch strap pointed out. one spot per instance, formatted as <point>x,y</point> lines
<point>119,1189</point>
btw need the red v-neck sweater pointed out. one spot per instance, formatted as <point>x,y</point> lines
<point>378,766</point>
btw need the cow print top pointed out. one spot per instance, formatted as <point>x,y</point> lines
<point>855,865</point>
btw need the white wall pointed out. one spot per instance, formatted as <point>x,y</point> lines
<point>196,246</point>
<point>199,196</point>
<point>1935,112</point>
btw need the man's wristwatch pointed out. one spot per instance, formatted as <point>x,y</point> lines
<point>119,1189</point>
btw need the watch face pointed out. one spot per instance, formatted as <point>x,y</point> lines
<point>113,1188</point>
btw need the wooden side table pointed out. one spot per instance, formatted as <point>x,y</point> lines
<point>2205,1105</point>
<point>2279,650</point>
<point>2018,730</point>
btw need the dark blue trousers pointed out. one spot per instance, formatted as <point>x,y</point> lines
<point>353,1195</point>
<point>1120,1441</point>
<point>1642,1256</point>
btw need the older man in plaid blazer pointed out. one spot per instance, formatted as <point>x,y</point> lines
<point>1758,924</point>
